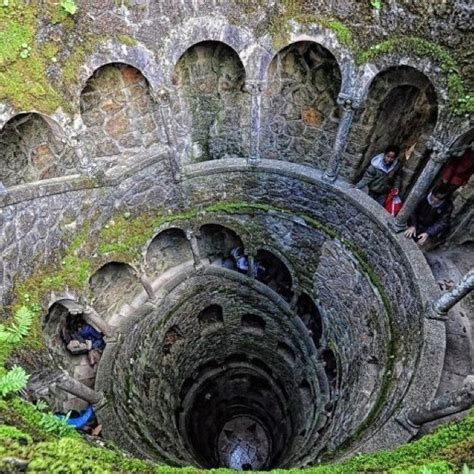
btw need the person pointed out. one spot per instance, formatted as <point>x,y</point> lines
<point>457,171</point>
<point>383,174</point>
<point>431,216</point>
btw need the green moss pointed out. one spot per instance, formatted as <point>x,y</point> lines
<point>127,40</point>
<point>22,437</point>
<point>23,80</point>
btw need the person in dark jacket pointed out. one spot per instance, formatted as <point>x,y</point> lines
<point>431,216</point>
<point>383,174</point>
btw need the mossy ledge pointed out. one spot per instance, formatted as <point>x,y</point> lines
<point>25,440</point>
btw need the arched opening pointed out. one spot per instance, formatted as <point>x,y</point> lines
<point>30,152</point>
<point>254,324</point>
<point>299,110</point>
<point>211,315</point>
<point>274,273</point>
<point>120,115</point>
<point>311,317</point>
<point>216,243</point>
<point>212,111</point>
<point>76,345</point>
<point>113,286</point>
<point>168,249</point>
<point>330,367</point>
<point>401,109</point>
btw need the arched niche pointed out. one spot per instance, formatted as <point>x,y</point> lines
<point>211,315</point>
<point>59,328</point>
<point>216,241</point>
<point>29,151</point>
<point>112,286</point>
<point>253,324</point>
<point>212,112</point>
<point>275,273</point>
<point>330,367</point>
<point>307,310</point>
<point>401,109</point>
<point>119,113</point>
<point>299,108</point>
<point>168,249</point>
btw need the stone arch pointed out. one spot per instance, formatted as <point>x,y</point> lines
<point>300,114</point>
<point>32,149</point>
<point>121,118</point>
<point>216,241</point>
<point>211,110</point>
<point>253,324</point>
<point>113,286</point>
<point>200,30</point>
<point>167,249</point>
<point>401,108</point>
<point>113,51</point>
<point>275,273</point>
<point>211,315</point>
<point>307,310</point>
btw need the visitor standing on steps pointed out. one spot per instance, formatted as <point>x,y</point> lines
<point>431,216</point>
<point>383,174</point>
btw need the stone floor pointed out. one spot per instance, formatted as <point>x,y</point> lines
<point>448,267</point>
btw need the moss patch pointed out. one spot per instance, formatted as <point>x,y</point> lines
<point>23,79</point>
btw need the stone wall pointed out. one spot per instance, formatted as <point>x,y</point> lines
<point>30,151</point>
<point>299,110</point>
<point>121,118</point>
<point>211,110</point>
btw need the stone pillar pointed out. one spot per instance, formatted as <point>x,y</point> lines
<point>68,384</point>
<point>194,249</point>
<point>348,107</point>
<point>251,260</point>
<point>146,285</point>
<point>254,88</point>
<point>448,300</point>
<point>93,317</point>
<point>3,190</point>
<point>164,102</point>
<point>440,407</point>
<point>420,189</point>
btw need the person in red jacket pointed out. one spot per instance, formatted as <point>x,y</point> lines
<point>457,171</point>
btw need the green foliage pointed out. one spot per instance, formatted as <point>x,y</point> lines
<point>18,328</point>
<point>15,379</point>
<point>14,433</point>
<point>377,4</point>
<point>69,6</point>
<point>50,423</point>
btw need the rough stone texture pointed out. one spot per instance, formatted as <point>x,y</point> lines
<point>400,109</point>
<point>119,115</point>
<point>211,110</point>
<point>29,151</point>
<point>299,110</point>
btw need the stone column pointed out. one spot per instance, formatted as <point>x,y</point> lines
<point>440,407</point>
<point>251,260</point>
<point>93,317</point>
<point>348,107</point>
<point>254,88</point>
<point>194,249</point>
<point>438,158</point>
<point>3,190</point>
<point>448,300</point>
<point>143,279</point>
<point>68,384</point>
<point>164,102</point>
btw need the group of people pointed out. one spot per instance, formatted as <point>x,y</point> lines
<point>82,338</point>
<point>430,220</point>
